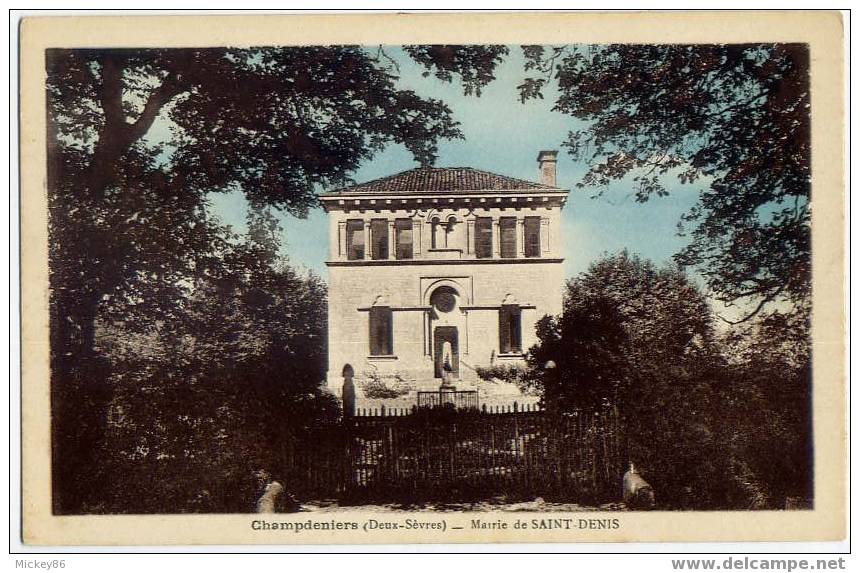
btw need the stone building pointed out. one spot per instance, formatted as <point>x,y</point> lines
<point>436,273</point>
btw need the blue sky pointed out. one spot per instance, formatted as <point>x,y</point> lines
<point>504,136</point>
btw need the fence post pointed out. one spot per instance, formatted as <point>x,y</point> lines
<point>348,392</point>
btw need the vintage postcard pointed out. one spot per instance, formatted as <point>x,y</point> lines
<point>448,278</point>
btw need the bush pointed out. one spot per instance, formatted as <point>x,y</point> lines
<point>521,376</point>
<point>376,386</point>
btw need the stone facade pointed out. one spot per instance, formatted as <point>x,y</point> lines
<point>437,272</point>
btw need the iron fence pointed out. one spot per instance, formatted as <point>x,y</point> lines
<point>450,399</point>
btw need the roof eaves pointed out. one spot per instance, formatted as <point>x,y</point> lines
<point>462,193</point>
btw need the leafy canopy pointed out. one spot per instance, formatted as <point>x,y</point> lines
<point>733,117</point>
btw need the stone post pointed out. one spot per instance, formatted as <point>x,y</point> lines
<point>521,238</point>
<point>391,234</point>
<point>267,501</point>
<point>367,240</point>
<point>636,492</point>
<point>341,240</point>
<point>416,237</point>
<point>348,393</point>
<point>470,236</point>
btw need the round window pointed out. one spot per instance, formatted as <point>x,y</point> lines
<point>444,299</point>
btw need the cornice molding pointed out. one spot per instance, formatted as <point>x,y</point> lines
<point>418,262</point>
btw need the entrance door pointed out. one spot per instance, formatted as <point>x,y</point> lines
<point>441,335</point>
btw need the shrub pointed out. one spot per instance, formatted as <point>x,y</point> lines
<point>379,387</point>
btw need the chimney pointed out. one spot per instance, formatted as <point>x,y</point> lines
<point>546,162</point>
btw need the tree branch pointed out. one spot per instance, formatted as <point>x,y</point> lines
<point>381,53</point>
<point>757,309</point>
<point>765,93</point>
<point>160,96</point>
<point>117,135</point>
<point>110,91</point>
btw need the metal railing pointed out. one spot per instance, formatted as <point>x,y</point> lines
<point>448,399</point>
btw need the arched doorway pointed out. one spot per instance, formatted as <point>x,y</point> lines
<point>446,352</point>
<point>446,322</point>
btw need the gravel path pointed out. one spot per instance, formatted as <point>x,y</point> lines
<point>537,504</point>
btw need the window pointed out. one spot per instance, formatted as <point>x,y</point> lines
<point>510,339</point>
<point>354,239</point>
<point>435,225</point>
<point>403,238</point>
<point>449,232</point>
<point>484,237</point>
<point>532,231</point>
<point>380,331</point>
<point>444,299</point>
<point>379,239</point>
<point>508,237</point>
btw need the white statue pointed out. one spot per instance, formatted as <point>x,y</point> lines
<point>447,361</point>
<point>446,356</point>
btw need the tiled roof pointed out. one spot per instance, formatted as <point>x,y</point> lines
<point>440,180</point>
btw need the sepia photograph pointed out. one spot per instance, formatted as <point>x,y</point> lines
<point>569,283</point>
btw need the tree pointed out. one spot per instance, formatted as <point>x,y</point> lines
<point>138,138</point>
<point>770,388</point>
<point>474,64</point>
<point>132,259</point>
<point>621,317</point>
<point>712,420</point>
<point>587,346</point>
<point>734,117</point>
<point>204,400</point>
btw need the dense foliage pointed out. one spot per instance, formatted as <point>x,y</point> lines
<point>712,419</point>
<point>197,405</point>
<point>735,118</point>
<point>137,141</point>
<point>715,417</point>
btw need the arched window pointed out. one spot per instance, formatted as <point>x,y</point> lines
<point>510,329</point>
<point>381,342</point>
<point>449,231</point>
<point>348,391</point>
<point>434,233</point>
